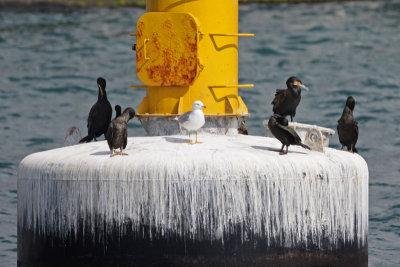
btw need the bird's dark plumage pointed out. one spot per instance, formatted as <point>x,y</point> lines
<point>243,128</point>
<point>280,129</point>
<point>348,127</point>
<point>117,132</point>
<point>117,111</point>
<point>286,100</point>
<point>99,115</point>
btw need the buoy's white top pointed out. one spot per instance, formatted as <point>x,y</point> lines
<point>193,120</point>
<point>204,188</point>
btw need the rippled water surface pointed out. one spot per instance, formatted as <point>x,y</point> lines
<point>49,63</point>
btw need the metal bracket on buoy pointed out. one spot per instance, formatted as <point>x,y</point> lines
<point>316,137</point>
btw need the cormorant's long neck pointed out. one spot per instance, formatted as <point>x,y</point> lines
<point>346,111</point>
<point>102,96</point>
<point>125,115</point>
<point>296,91</point>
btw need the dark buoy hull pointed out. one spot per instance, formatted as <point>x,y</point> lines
<point>140,249</point>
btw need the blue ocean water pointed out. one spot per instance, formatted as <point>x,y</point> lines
<point>49,63</point>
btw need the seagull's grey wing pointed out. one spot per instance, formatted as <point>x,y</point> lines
<point>184,117</point>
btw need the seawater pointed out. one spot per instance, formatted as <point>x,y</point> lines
<point>49,62</point>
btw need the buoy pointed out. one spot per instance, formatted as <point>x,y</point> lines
<point>231,201</point>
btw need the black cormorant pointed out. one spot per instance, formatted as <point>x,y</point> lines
<point>287,100</point>
<point>117,111</point>
<point>99,115</point>
<point>348,127</point>
<point>243,128</point>
<point>280,129</point>
<point>117,133</point>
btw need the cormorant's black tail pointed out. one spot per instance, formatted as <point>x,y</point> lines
<point>86,139</point>
<point>355,149</point>
<point>303,145</point>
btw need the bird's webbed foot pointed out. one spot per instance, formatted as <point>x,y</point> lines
<point>190,140</point>
<point>281,152</point>
<point>122,153</point>
<point>113,154</point>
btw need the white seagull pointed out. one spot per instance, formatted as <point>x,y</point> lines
<point>193,120</point>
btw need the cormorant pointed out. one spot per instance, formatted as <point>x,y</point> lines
<point>193,120</point>
<point>117,111</point>
<point>287,100</point>
<point>99,115</point>
<point>243,128</point>
<point>117,132</point>
<point>280,129</point>
<point>348,127</point>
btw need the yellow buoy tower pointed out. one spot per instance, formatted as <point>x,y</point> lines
<point>188,51</point>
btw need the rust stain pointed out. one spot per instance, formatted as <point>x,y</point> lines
<point>139,48</point>
<point>193,47</point>
<point>193,25</point>
<point>173,53</point>
<point>140,27</point>
<point>168,24</point>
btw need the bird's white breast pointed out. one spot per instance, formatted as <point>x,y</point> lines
<point>195,120</point>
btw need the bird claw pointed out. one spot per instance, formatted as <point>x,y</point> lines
<point>282,152</point>
<point>191,143</point>
<point>113,154</point>
<point>123,154</point>
<point>198,142</point>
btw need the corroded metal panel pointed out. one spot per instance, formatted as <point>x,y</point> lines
<point>167,49</point>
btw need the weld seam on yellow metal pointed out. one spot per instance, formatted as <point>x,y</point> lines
<point>233,34</point>
<point>232,86</point>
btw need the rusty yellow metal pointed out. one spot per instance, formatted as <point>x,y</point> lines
<point>167,49</point>
<point>192,52</point>
<point>232,85</point>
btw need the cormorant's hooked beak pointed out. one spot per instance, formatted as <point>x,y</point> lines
<point>301,85</point>
<point>304,87</point>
